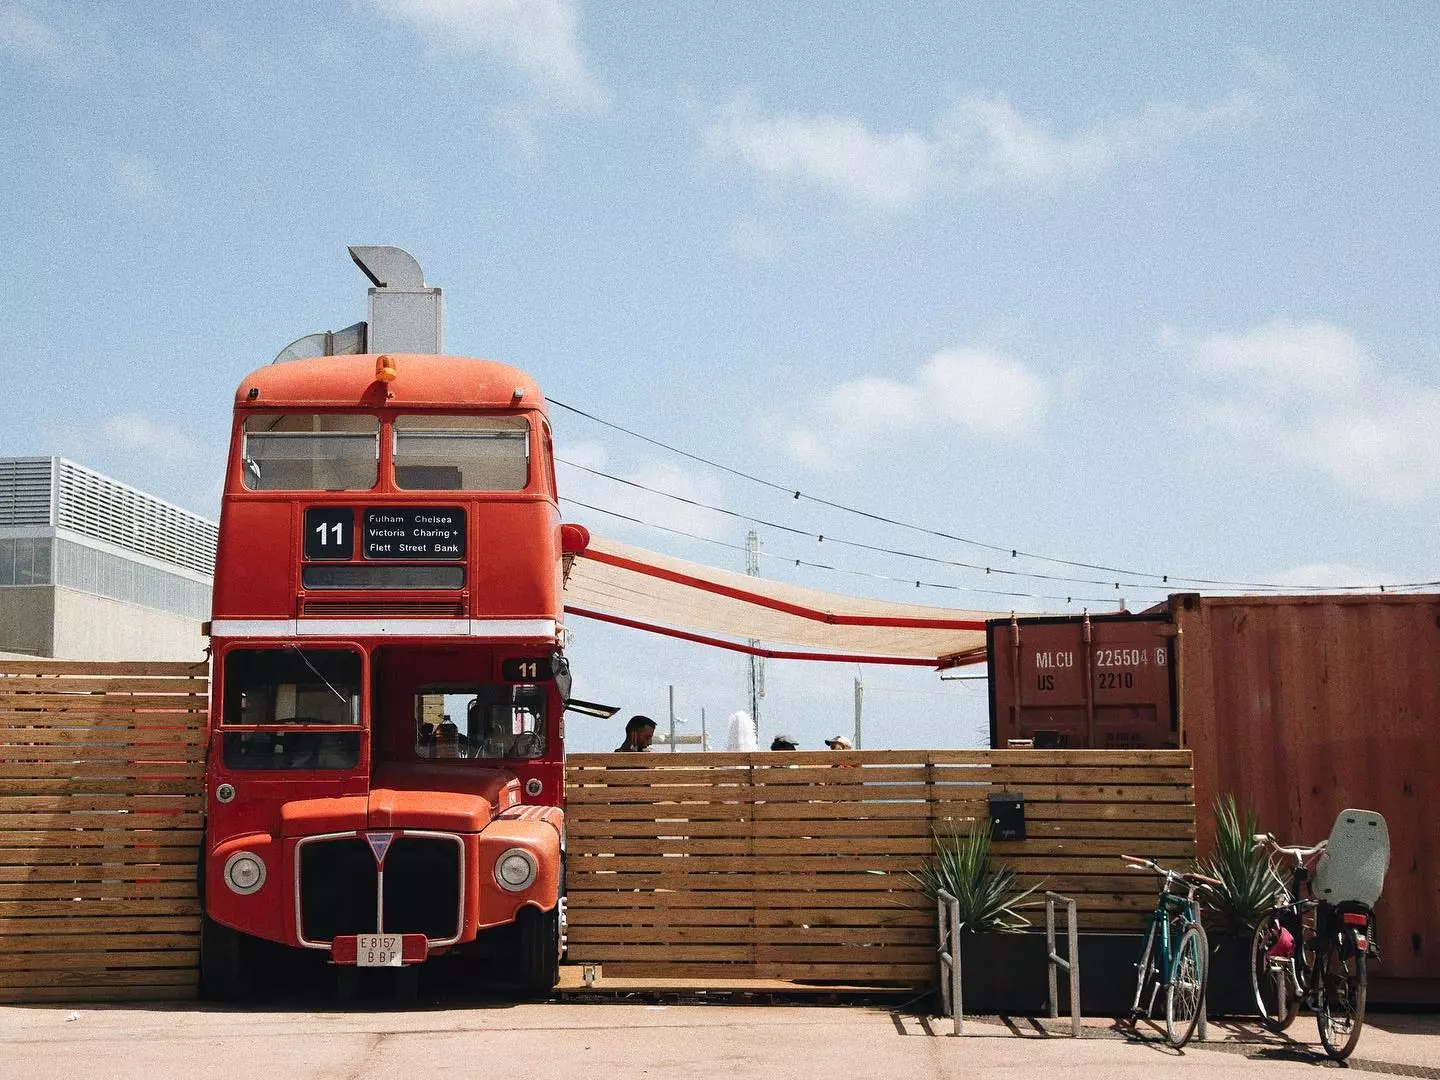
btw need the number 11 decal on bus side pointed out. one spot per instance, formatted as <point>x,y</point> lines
<point>329,532</point>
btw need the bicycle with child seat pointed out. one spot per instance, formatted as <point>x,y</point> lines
<point>1308,951</point>
<point>1176,955</point>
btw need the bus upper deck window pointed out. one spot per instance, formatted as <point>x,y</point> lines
<point>462,453</point>
<point>311,452</point>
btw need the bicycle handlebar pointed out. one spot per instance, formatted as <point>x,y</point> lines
<point>1136,863</point>
<point>1299,854</point>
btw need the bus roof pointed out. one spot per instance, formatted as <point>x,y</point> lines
<point>421,381</point>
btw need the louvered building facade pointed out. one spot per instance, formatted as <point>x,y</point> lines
<point>94,569</point>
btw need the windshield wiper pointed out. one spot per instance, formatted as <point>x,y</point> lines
<point>316,670</point>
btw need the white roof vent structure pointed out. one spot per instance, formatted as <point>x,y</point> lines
<point>404,314</point>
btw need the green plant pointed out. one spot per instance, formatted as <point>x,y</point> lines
<point>987,896</point>
<point>1248,883</point>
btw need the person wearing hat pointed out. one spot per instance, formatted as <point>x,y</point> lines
<point>839,742</point>
<point>639,730</point>
<point>784,742</point>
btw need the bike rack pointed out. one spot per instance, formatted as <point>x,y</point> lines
<point>1070,963</point>
<point>947,918</point>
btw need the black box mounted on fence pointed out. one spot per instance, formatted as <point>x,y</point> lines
<point>1007,816</point>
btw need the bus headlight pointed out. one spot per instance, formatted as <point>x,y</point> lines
<point>244,873</point>
<point>515,870</point>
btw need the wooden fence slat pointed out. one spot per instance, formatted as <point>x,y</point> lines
<point>128,908</point>
<point>98,960</point>
<point>16,930</point>
<point>195,669</point>
<point>74,772</point>
<point>89,873</point>
<point>95,856</point>
<point>109,835</point>
<point>192,703</point>
<point>63,684</point>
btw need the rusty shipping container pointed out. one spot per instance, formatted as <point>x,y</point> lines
<point>1102,681</point>
<point>1301,706</point>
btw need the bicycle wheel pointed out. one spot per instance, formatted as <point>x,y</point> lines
<point>1147,976</point>
<point>1340,998</point>
<point>1185,993</point>
<point>1272,977</point>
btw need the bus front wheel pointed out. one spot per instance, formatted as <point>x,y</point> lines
<point>538,969</point>
<point>224,962</point>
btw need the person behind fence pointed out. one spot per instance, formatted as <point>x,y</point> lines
<point>784,742</point>
<point>639,731</point>
<point>839,742</point>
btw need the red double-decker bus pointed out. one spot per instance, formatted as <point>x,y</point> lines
<point>386,735</point>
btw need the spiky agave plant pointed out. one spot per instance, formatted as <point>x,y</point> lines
<point>1249,884</point>
<point>987,897</point>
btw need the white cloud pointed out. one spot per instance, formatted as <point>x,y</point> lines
<point>985,392</point>
<point>1311,358</point>
<point>536,37</point>
<point>979,391</point>
<point>640,498</point>
<point>136,433</point>
<point>981,142</point>
<point>152,455</point>
<point>136,176</point>
<point>22,33</point>
<point>1312,394</point>
<point>887,170</point>
<point>58,39</point>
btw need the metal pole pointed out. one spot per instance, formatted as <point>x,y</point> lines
<point>859,700</point>
<point>704,738</point>
<point>955,927</point>
<point>947,949</point>
<point>672,718</point>
<point>1072,924</point>
<point>1050,949</point>
<point>757,664</point>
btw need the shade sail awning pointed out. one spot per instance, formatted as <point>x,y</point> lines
<point>630,586</point>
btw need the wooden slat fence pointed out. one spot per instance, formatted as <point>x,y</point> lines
<point>796,866</point>
<point>101,795</point>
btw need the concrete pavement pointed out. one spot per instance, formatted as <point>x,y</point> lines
<point>597,1042</point>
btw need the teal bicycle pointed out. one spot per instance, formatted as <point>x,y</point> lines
<point>1175,959</point>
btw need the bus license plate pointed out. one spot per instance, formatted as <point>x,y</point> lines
<point>377,950</point>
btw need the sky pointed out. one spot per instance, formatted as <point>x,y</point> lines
<point>1150,287</point>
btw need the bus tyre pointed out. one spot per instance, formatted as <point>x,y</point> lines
<point>538,969</point>
<point>224,962</point>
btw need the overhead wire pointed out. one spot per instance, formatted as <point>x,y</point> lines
<point>1172,580</point>
<point>880,549</point>
<point>837,569</point>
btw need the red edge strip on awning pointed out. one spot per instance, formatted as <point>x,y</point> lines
<point>756,650</point>
<point>778,605</point>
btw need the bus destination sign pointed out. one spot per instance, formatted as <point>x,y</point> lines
<point>414,532</point>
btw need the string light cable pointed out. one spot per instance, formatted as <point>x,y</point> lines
<point>1171,580</point>
<point>880,549</point>
<point>789,560</point>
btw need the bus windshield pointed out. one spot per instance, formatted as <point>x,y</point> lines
<point>462,453</point>
<point>291,685</point>
<point>311,452</point>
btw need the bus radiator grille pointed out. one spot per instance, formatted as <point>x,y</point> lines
<point>337,889</point>
<point>422,887</point>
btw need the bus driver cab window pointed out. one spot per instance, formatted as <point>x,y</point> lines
<point>500,722</point>
<point>291,708</point>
